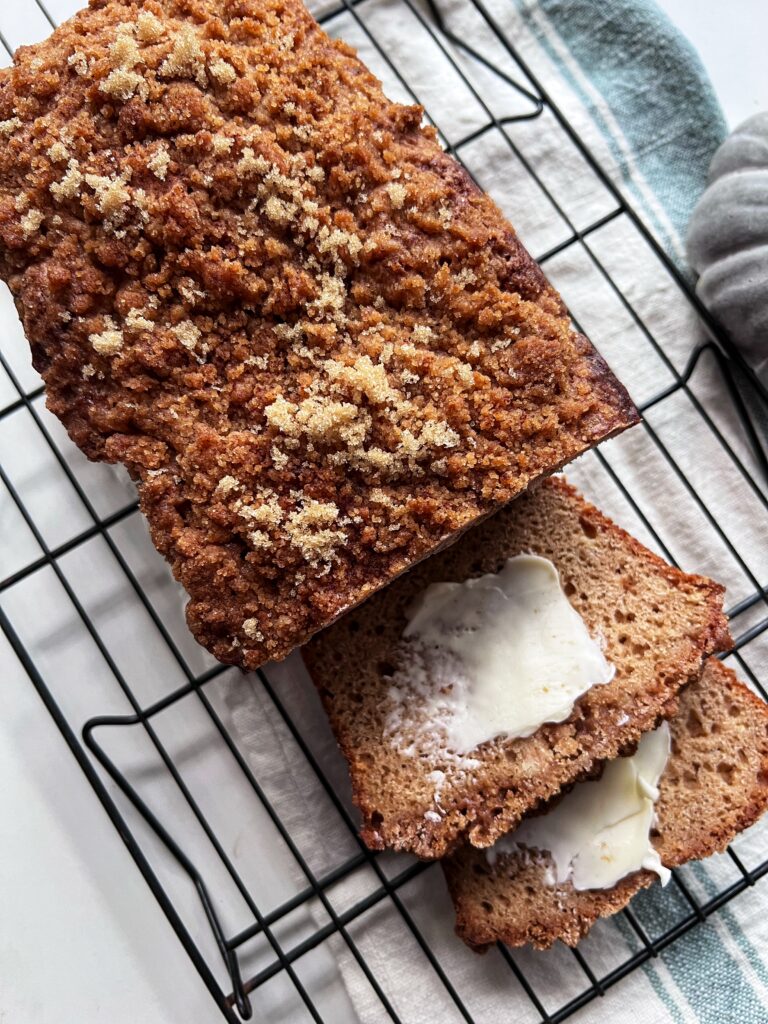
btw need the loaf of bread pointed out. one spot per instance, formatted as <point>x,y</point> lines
<point>656,624</point>
<point>320,351</point>
<point>714,786</point>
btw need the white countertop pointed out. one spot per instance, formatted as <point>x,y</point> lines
<point>730,39</point>
<point>82,938</point>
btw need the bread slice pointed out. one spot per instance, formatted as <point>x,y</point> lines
<point>320,351</point>
<point>714,786</point>
<point>657,624</point>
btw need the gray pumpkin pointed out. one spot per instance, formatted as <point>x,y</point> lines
<point>728,240</point>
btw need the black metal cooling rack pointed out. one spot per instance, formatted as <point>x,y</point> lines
<point>238,995</point>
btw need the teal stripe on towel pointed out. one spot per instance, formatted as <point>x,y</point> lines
<point>652,80</point>
<point>728,918</point>
<point>653,976</point>
<point>704,971</point>
<point>527,8</point>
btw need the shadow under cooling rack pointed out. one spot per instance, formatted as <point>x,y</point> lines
<point>146,712</point>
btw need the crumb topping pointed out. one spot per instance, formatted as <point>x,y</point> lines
<point>227,484</point>
<point>397,194</point>
<point>251,629</point>
<point>58,153</point>
<point>112,194</point>
<point>312,529</point>
<point>123,81</point>
<point>222,145</point>
<point>263,287</point>
<point>137,321</point>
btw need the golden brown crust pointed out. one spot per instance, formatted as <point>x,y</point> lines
<point>319,350</point>
<point>715,785</point>
<point>658,624</point>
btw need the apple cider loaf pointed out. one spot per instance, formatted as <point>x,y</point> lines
<point>320,351</point>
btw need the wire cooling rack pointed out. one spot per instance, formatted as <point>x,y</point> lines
<point>118,672</point>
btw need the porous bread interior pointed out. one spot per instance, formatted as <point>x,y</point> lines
<point>657,624</point>
<point>714,786</point>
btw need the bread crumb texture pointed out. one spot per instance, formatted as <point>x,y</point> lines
<point>273,274</point>
<point>714,786</point>
<point>415,793</point>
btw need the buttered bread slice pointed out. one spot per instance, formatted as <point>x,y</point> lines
<point>714,785</point>
<point>495,673</point>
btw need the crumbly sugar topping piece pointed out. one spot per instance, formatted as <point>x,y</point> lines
<point>227,484</point>
<point>397,194</point>
<point>112,194</point>
<point>222,145</point>
<point>251,629</point>
<point>58,153</point>
<point>124,80</point>
<point>70,183</point>
<point>222,72</point>
<point>266,510</point>
<point>137,321</point>
<point>187,58</point>
<point>188,334</point>
<point>313,529</point>
<point>109,341</point>
<point>159,162</point>
<point>79,63</point>
<point>254,272</point>
<point>149,29</point>
<point>31,222</point>
<point>10,125</point>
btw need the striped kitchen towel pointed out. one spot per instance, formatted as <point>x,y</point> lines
<point>655,120</point>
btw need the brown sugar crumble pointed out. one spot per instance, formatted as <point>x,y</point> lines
<point>319,349</point>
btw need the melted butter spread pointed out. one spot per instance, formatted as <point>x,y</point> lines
<point>504,653</point>
<point>600,831</point>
